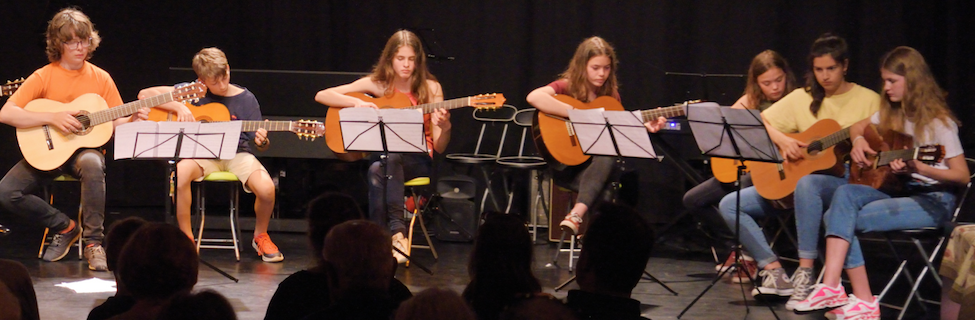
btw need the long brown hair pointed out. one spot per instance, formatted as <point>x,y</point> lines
<point>835,47</point>
<point>66,24</point>
<point>923,100</point>
<point>763,62</point>
<point>576,72</point>
<point>383,71</point>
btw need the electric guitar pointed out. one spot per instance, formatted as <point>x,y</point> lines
<point>556,139</point>
<point>8,88</point>
<point>217,112</point>
<point>46,148</point>
<point>776,181</point>
<point>333,132</point>
<point>890,146</point>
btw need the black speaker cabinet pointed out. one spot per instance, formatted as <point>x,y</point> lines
<point>458,221</point>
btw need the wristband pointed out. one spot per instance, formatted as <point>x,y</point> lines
<point>855,140</point>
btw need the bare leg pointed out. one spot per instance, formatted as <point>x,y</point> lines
<point>860,283</point>
<point>806,263</point>
<point>579,209</point>
<point>263,187</point>
<point>772,266</point>
<point>187,171</point>
<point>836,249</point>
<point>949,308</point>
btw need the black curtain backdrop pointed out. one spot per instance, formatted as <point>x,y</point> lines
<point>505,46</point>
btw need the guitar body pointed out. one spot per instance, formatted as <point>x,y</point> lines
<point>880,177</point>
<point>46,148</point>
<point>333,131</point>
<point>552,136</point>
<point>776,181</point>
<point>210,112</point>
<point>725,170</point>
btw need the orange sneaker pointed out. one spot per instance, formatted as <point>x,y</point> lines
<point>266,249</point>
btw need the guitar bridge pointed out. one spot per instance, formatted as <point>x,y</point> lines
<point>47,137</point>
<point>781,171</point>
<point>568,127</point>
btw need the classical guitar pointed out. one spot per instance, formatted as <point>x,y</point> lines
<point>333,133</point>
<point>890,146</point>
<point>8,88</point>
<point>215,112</point>
<point>725,170</point>
<point>47,148</point>
<point>776,181</point>
<point>556,140</point>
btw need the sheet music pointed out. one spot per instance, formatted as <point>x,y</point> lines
<point>594,136</point>
<point>404,129</point>
<point>147,139</point>
<point>747,130</point>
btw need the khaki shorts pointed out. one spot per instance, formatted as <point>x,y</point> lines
<point>242,166</point>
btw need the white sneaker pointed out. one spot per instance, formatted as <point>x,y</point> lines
<point>399,243</point>
<point>823,297</point>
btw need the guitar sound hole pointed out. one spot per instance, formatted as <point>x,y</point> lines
<point>815,147</point>
<point>85,123</point>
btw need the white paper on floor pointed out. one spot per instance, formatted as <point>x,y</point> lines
<point>89,286</point>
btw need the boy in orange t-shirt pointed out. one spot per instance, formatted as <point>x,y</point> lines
<point>71,40</point>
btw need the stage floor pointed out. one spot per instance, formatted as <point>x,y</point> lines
<point>687,273</point>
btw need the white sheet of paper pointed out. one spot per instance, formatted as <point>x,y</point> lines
<point>147,139</point>
<point>92,285</point>
<point>404,129</point>
<point>631,136</point>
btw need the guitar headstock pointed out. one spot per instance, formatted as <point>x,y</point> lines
<point>189,92</point>
<point>8,88</point>
<point>931,154</point>
<point>308,129</point>
<point>487,101</point>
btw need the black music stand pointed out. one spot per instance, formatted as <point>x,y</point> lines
<point>174,141</point>
<point>366,129</point>
<point>611,133</point>
<point>735,134</point>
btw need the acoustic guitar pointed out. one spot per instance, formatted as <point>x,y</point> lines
<point>10,87</point>
<point>556,140</point>
<point>776,181</point>
<point>47,148</point>
<point>333,132</point>
<point>891,145</point>
<point>217,112</point>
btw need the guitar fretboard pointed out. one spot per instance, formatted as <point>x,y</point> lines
<point>251,126</point>
<point>128,108</point>
<point>666,112</point>
<point>448,104</point>
<point>830,140</point>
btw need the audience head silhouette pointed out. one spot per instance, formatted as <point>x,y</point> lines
<point>357,259</point>
<point>324,213</point>
<point>118,235</point>
<point>203,305</point>
<point>434,304</point>
<point>617,247</point>
<point>500,266</point>
<point>158,262</point>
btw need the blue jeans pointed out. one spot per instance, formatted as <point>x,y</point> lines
<point>401,167</point>
<point>812,196</point>
<point>864,209</point>
<point>18,186</point>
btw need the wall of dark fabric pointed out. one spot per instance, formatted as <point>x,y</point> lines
<point>506,46</point>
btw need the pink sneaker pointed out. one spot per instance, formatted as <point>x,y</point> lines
<point>571,223</point>
<point>858,309</point>
<point>835,314</point>
<point>823,297</point>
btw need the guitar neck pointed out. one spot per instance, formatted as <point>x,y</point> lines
<point>251,126</point>
<point>129,108</point>
<point>666,112</point>
<point>830,140</point>
<point>448,104</point>
<point>886,157</point>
